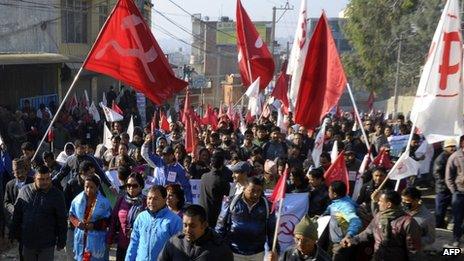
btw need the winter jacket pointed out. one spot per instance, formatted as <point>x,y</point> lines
<point>96,239</point>
<point>119,227</point>
<point>292,254</point>
<point>426,221</point>
<point>151,232</point>
<point>439,169</point>
<point>454,174</point>
<point>39,218</point>
<point>366,191</point>
<point>273,150</point>
<point>11,194</point>
<point>167,174</point>
<point>70,169</point>
<point>213,187</point>
<point>247,230</point>
<point>404,243</point>
<point>344,220</point>
<point>208,247</point>
<point>318,200</point>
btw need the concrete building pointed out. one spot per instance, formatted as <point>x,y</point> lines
<point>214,54</point>
<point>336,23</point>
<point>43,44</point>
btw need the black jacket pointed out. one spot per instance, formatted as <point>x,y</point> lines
<point>71,168</point>
<point>439,168</point>
<point>318,200</point>
<point>208,247</point>
<point>367,190</point>
<point>292,254</point>
<point>39,218</point>
<point>214,186</point>
<point>11,194</point>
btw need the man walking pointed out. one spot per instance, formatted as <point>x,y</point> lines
<point>247,223</point>
<point>213,187</point>
<point>39,218</point>
<point>396,235</point>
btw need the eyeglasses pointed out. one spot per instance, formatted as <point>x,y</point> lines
<point>132,185</point>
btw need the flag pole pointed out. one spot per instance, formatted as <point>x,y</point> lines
<point>358,118</point>
<point>57,112</point>
<point>73,83</point>
<point>276,232</point>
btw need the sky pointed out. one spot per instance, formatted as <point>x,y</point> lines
<point>258,10</point>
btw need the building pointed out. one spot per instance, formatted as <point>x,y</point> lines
<point>214,54</point>
<point>336,24</point>
<point>44,43</point>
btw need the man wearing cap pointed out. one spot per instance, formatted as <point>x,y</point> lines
<point>240,172</point>
<point>454,177</point>
<point>305,248</point>
<point>213,187</point>
<point>443,194</point>
<point>167,170</point>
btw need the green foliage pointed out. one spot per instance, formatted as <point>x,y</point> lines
<point>375,28</point>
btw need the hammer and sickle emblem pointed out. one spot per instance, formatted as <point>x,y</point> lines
<point>130,22</point>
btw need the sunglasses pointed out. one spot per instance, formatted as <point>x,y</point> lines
<point>132,185</point>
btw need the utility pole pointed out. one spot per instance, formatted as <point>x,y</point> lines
<point>395,93</point>
<point>274,10</point>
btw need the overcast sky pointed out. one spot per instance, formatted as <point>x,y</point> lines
<point>258,10</point>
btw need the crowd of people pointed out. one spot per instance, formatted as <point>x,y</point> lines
<point>63,199</point>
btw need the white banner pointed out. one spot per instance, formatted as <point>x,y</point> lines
<point>294,208</point>
<point>397,144</point>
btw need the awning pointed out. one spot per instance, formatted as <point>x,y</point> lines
<point>31,58</point>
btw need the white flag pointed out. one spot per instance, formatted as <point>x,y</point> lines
<point>254,99</point>
<point>107,137</point>
<point>298,54</point>
<point>1,141</point>
<point>318,145</point>
<point>334,152</point>
<point>281,120</point>
<point>104,101</point>
<point>94,112</point>
<point>404,167</point>
<point>111,115</point>
<point>130,129</point>
<point>440,86</point>
<point>359,181</point>
<point>86,97</point>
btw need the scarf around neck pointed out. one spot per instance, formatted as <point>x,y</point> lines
<point>136,207</point>
<point>386,217</point>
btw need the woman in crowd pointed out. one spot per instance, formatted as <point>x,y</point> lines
<point>90,212</point>
<point>175,199</point>
<point>124,213</point>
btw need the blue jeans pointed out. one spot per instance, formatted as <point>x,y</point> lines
<point>442,202</point>
<point>457,203</point>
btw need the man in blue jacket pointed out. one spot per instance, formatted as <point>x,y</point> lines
<point>247,223</point>
<point>167,170</point>
<point>153,227</point>
<point>344,223</point>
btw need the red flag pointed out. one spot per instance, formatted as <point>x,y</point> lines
<point>127,50</point>
<point>252,51</point>
<point>210,118</point>
<point>51,135</point>
<point>370,101</point>
<point>383,160</point>
<point>187,112</point>
<point>164,124</point>
<point>281,87</point>
<point>190,136</point>
<point>279,190</point>
<point>72,104</point>
<point>337,171</point>
<point>230,112</point>
<point>248,118</point>
<point>323,79</point>
<point>116,108</point>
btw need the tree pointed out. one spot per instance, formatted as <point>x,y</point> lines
<point>375,30</point>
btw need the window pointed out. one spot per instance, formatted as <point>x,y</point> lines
<point>102,13</point>
<point>74,21</point>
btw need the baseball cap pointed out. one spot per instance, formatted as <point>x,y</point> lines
<point>241,167</point>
